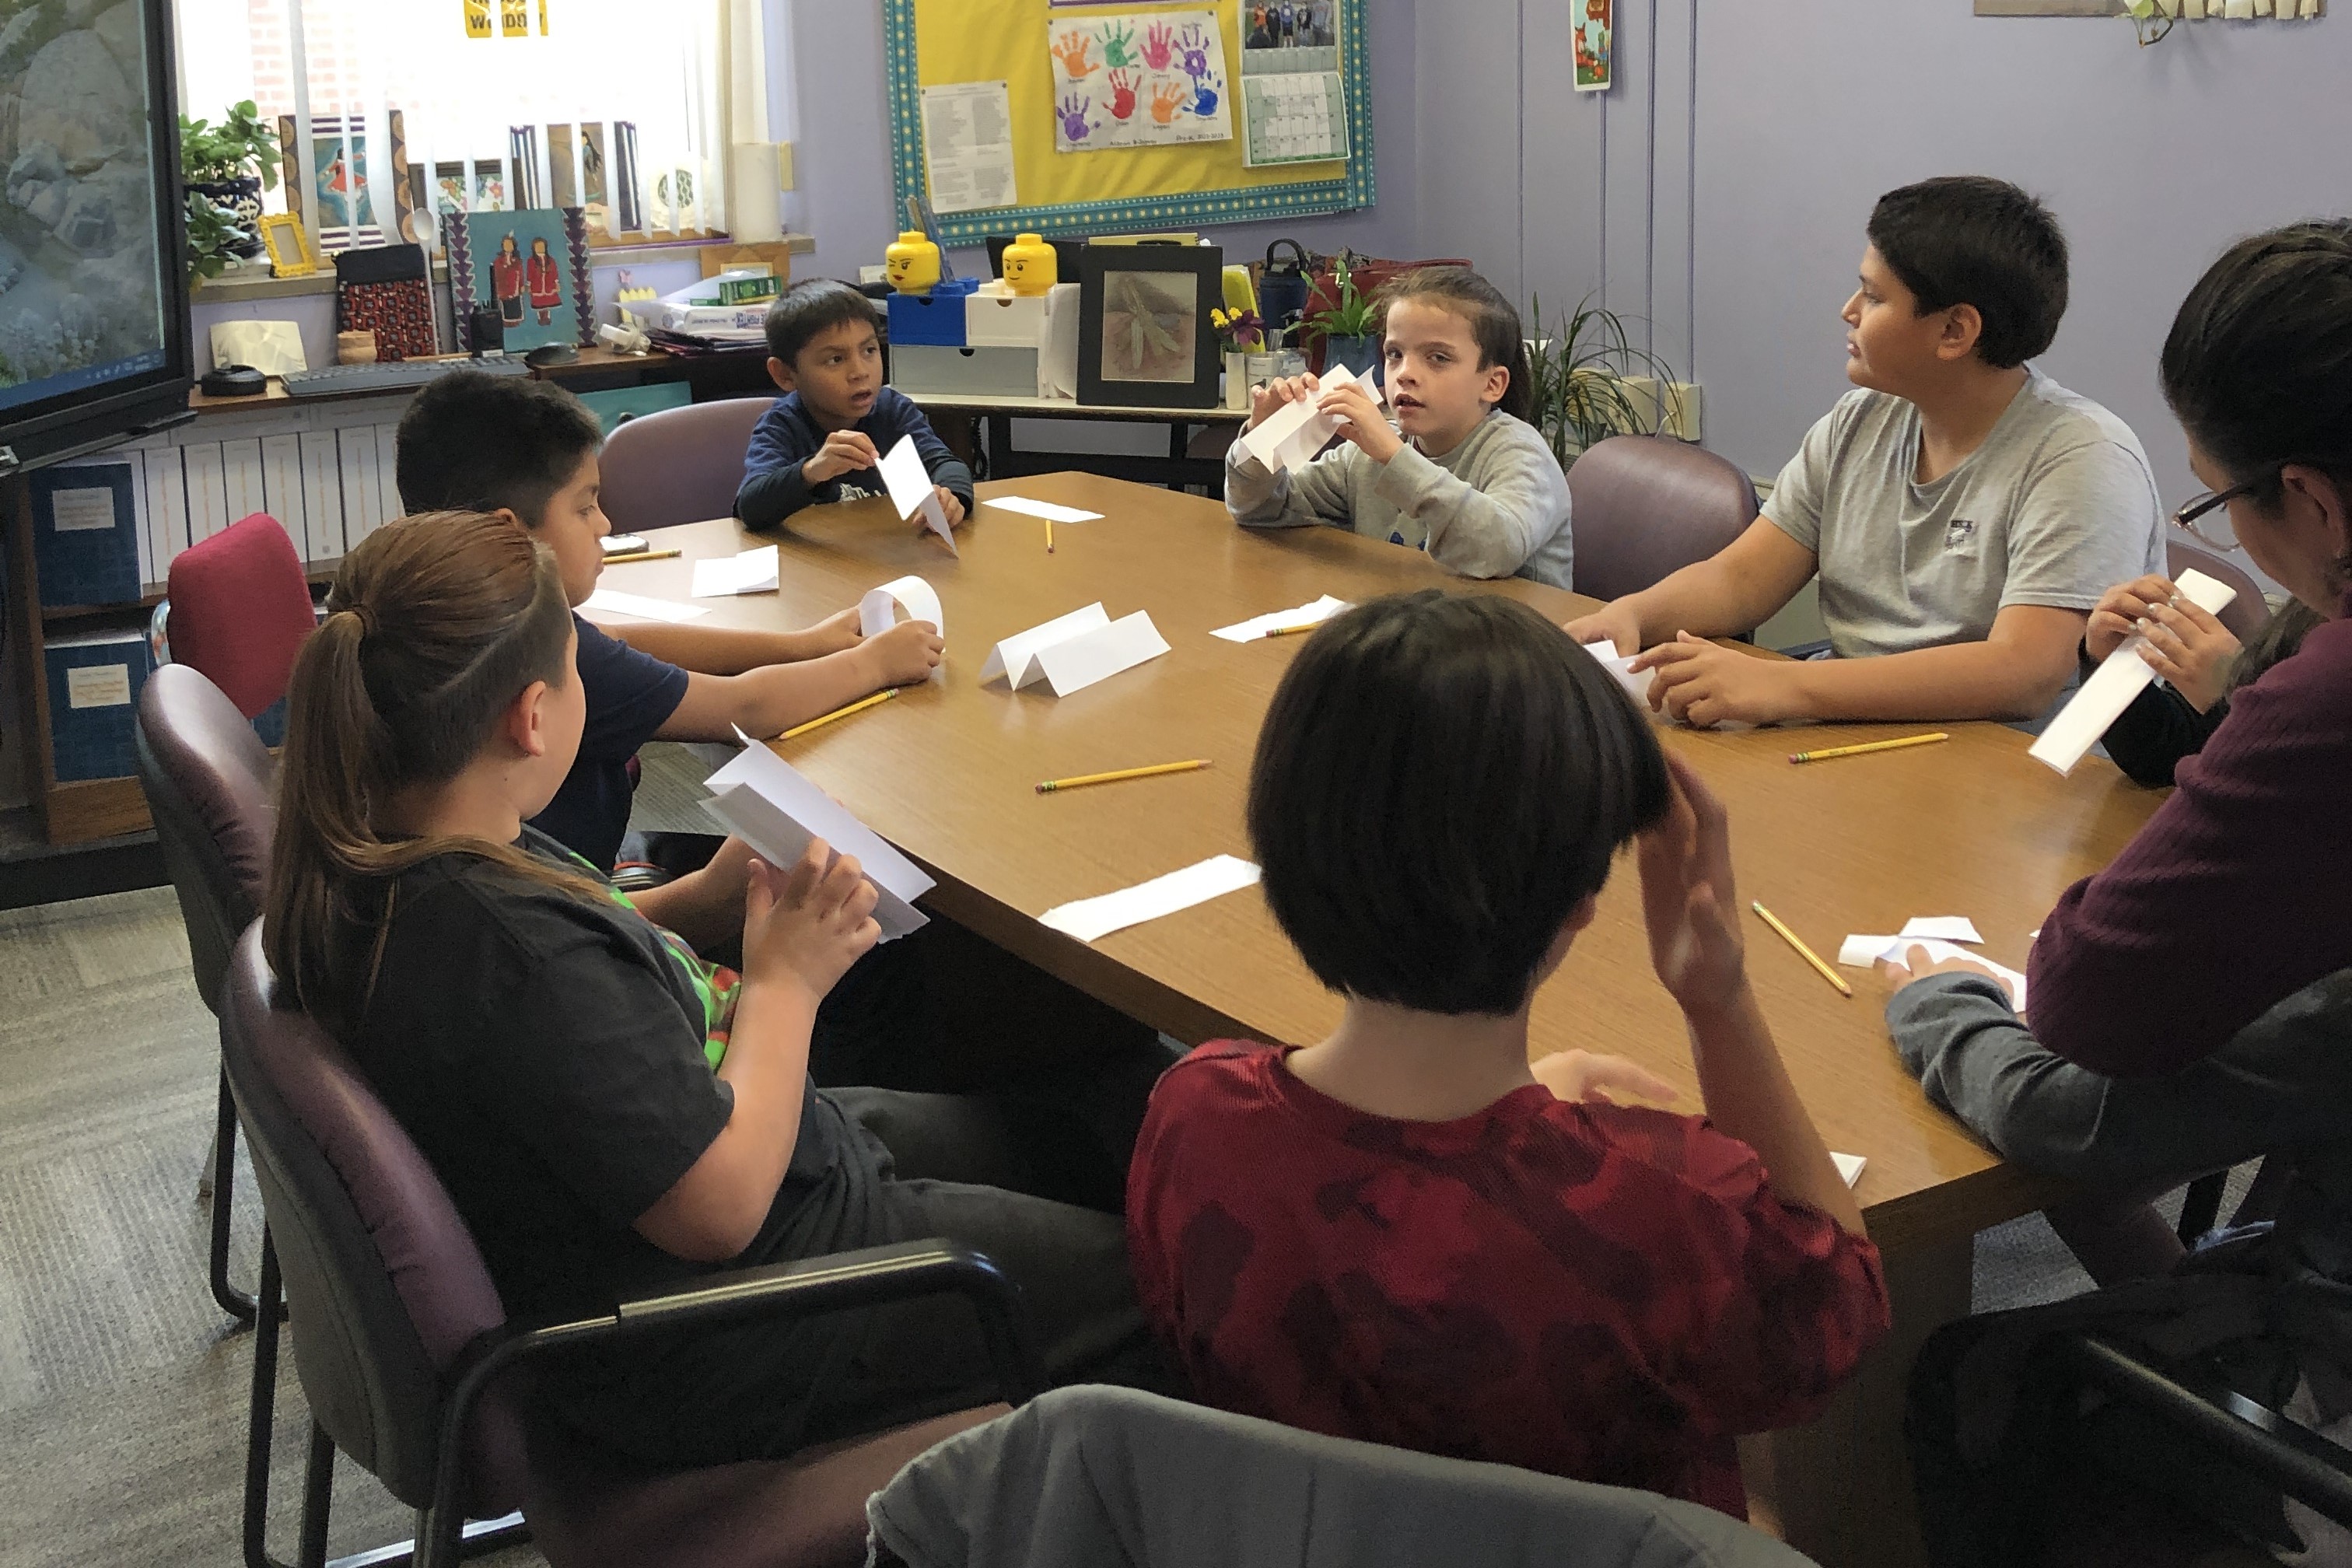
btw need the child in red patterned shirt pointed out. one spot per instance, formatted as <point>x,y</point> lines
<point>1407,1234</point>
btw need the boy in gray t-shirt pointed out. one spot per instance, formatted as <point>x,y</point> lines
<point>1963,510</point>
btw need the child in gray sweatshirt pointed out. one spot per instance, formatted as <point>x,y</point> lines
<point>1460,475</point>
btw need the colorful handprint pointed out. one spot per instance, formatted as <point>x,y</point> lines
<point>1072,52</point>
<point>1205,101</point>
<point>1122,94</point>
<point>1195,55</point>
<point>1074,116</point>
<point>1159,46</point>
<point>1118,46</point>
<point>1167,97</point>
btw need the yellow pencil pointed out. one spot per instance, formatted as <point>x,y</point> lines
<point>1285,631</point>
<point>639,555</point>
<point>1895,745</point>
<point>1049,536</point>
<point>1050,786</point>
<point>1807,953</point>
<point>883,696</point>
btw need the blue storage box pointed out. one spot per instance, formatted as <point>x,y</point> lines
<point>86,532</point>
<point>935,319</point>
<point>94,682</point>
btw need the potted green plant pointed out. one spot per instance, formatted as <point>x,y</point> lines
<point>1346,330</point>
<point>229,165</point>
<point>1584,380</point>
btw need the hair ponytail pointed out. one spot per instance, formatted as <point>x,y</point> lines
<point>1494,323</point>
<point>436,624</point>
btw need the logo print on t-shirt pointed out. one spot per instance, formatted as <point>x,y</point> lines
<point>1959,533</point>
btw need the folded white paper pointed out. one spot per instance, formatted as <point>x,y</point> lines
<point>1051,511</point>
<point>723,576</point>
<point>878,611</point>
<point>1016,657</point>
<point>1291,436</point>
<point>1637,686</point>
<point>911,489</point>
<point>1257,626</point>
<point>1849,1165</point>
<point>771,805</point>
<point>1091,919</point>
<point>609,601</point>
<point>1941,928</point>
<point>1077,663</point>
<point>1861,952</point>
<point>2123,675</point>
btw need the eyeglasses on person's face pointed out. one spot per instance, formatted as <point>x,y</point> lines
<point>2205,518</point>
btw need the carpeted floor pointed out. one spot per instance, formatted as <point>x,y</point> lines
<point>122,1393</point>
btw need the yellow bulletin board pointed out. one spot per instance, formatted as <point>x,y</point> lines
<point>935,43</point>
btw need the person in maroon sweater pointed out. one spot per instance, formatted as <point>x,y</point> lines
<point>2238,892</point>
<point>1405,1232</point>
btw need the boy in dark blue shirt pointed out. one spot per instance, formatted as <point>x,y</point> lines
<point>824,439</point>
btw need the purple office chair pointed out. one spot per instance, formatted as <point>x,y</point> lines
<point>680,465</point>
<point>209,784</point>
<point>2244,616</point>
<point>1644,507</point>
<point>402,1345</point>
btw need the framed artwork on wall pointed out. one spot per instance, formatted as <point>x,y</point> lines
<point>1145,339</point>
<point>530,266</point>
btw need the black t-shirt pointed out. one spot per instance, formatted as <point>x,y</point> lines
<point>630,696</point>
<point>547,1056</point>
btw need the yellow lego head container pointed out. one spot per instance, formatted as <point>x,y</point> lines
<point>912,263</point>
<point>1031,266</point>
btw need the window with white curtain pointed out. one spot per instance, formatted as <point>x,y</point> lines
<point>626,108</point>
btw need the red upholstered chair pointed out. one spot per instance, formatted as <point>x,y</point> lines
<point>1645,507</point>
<point>680,465</point>
<point>240,609</point>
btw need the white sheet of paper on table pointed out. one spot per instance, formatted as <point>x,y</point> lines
<point>878,611</point>
<point>1941,928</point>
<point>911,489</point>
<point>1861,952</point>
<point>1849,1165</point>
<point>1052,512</point>
<point>1076,663</point>
<point>773,807</point>
<point>1260,627</point>
<point>1291,436</point>
<point>1089,919</point>
<point>750,571</point>
<point>2121,677</point>
<point>1637,686</point>
<point>1016,657</point>
<point>611,602</point>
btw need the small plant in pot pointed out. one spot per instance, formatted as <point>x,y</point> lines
<point>1348,330</point>
<point>229,165</point>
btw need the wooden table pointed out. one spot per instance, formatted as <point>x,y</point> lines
<point>1973,827</point>
<point>1006,461</point>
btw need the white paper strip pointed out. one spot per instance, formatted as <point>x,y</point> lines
<point>1849,1165</point>
<point>1089,919</point>
<point>1637,686</point>
<point>911,489</point>
<point>773,807</point>
<point>1259,626</point>
<point>1049,511</point>
<point>1015,657</point>
<point>878,611</point>
<point>752,572</point>
<point>610,601</point>
<point>1075,665</point>
<point>2123,675</point>
<point>1291,436</point>
<point>1861,952</point>
<point>1941,928</point>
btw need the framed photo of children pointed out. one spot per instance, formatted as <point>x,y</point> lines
<point>532,265</point>
<point>1145,339</point>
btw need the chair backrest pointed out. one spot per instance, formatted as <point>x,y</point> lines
<point>209,784</point>
<point>1644,506</point>
<point>385,1288</point>
<point>240,609</point>
<point>2246,615</point>
<point>681,465</point>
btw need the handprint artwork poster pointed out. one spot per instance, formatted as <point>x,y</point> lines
<point>1152,80</point>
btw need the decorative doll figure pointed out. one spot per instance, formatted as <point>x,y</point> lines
<point>506,281</point>
<point>544,280</point>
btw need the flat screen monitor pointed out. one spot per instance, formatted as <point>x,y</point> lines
<point>93,292</point>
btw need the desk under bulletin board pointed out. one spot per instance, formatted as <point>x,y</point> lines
<point>1105,114</point>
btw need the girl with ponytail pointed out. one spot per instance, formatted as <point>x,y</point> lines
<point>610,1113</point>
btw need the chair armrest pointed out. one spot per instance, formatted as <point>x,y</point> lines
<point>2297,1460</point>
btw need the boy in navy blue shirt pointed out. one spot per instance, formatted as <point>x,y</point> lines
<point>528,448</point>
<point>825,438</point>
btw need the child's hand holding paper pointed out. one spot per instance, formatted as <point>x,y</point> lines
<point>1356,405</point>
